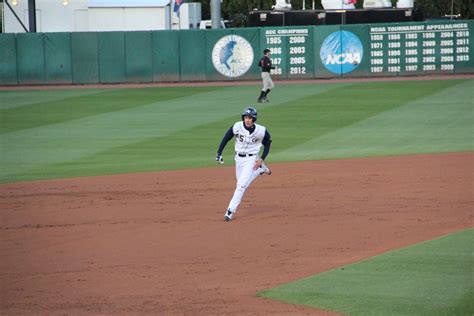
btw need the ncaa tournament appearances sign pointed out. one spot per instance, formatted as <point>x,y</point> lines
<point>232,56</point>
<point>341,52</point>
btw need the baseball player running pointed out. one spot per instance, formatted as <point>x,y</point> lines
<point>266,64</point>
<point>249,138</point>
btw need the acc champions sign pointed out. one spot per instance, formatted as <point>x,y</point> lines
<point>232,56</point>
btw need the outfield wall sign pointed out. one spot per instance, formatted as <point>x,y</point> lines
<point>341,52</point>
<point>291,49</point>
<point>232,56</point>
<point>419,48</point>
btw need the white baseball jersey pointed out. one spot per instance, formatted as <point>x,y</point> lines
<point>246,143</point>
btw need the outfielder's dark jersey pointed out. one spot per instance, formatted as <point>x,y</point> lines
<point>266,64</point>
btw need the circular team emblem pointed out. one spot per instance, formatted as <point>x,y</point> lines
<point>341,52</point>
<point>232,56</point>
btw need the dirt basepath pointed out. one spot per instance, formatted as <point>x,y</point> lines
<point>157,243</point>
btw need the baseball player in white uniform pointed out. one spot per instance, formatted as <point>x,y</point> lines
<point>249,138</point>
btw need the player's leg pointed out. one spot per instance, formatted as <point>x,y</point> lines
<point>262,170</point>
<point>245,175</point>
<point>269,87</point>
<point>262,92</point>
<point>239,163</point>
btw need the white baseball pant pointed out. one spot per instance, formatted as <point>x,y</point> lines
<point>267,81</point>
<point>245,176</point>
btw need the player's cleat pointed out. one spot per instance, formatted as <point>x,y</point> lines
<point>266,100</point>
<point>265,169</point>
<point>228,215</point>
<point>260,101</point>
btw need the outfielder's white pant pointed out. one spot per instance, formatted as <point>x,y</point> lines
<point>267,81</point>
<point>245,176</point>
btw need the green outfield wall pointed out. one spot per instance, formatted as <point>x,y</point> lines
<point>396,49</point>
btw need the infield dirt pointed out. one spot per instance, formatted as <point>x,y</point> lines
<point>157,243</point>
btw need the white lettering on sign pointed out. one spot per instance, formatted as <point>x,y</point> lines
<point>343,59</point>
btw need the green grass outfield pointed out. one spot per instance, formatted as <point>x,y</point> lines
<point>47,134</point>
<point>431,278</point>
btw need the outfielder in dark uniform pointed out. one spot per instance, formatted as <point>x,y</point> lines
<point>266,64</point>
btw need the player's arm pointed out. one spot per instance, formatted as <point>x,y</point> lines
<point>266,142</point>
<point>268,63</point>
<point>228,136</point>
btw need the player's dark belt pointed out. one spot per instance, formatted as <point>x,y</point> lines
<point>245,155</point>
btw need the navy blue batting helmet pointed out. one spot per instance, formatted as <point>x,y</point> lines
<point>250,111</point>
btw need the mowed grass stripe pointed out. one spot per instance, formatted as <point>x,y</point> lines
<point>430,278</point>
<point>311,118</point>
<point>74,139</point>
<point>36,152</point>
<point>438,119</point>
<point>16,98</point>
<point>317,115</point>
<point>192,148</point>
<point>196,147</point>
<point>77,107</point>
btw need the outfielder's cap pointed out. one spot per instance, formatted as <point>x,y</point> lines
<point>266,50</point>
<point>250,111</point>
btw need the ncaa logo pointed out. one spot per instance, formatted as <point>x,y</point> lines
<point>341,52</point>
<point>232,56</point>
